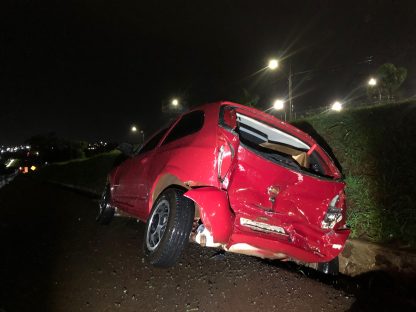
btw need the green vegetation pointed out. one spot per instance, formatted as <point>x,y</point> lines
<point>86,174</point>
<point>390,78</point>
<point>375,146</point>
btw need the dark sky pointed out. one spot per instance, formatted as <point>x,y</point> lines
<point>89,69</point>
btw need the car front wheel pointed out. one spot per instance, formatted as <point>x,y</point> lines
<point>106,212</point>
<point>168,228</point>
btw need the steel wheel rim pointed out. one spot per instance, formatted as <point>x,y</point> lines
<point>157,225</point>
<point>104,201</point>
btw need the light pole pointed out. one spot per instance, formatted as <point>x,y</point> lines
<point>142,133</point>
<point>290,93</point>
<point>273,64</point>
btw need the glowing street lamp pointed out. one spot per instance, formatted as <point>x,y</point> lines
<point>278,104</point>
<point>273,64</point>
<point>133,129</point>
<point>372,82</point>
<point>336,106</point>
<point>175,102</point>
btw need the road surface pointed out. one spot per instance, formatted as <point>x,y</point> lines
<point>54,257</point>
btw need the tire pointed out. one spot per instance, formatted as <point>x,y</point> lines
<point>168,228</point>
<point>106,212</point>
<point>331,267</point>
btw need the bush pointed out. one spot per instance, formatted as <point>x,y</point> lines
<point>375,147</point>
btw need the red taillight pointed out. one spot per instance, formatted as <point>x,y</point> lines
<point>333,214</point>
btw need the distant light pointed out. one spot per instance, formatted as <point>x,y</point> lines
<point>372,82</point>
<point>278,104</point>
<point>273,64</point>
<point>133,129</point>
<point>27,147</point>
<point>33,168</point>
<point>10,162</point>
<point>37,153</point>
<point>337,106</point>
<point>175,102</point>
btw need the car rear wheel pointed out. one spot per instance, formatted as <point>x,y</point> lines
<point>106,212</point>
<point>330,267</point>
<point>168,228</point>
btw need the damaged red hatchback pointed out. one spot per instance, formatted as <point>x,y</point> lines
<point>228,176</point>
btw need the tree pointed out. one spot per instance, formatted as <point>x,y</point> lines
<point>390,79</point>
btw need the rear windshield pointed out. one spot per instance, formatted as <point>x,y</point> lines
<point>277,146</point>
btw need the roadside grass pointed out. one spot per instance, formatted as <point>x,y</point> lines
<point>88,174</point>
<point>376,148</point>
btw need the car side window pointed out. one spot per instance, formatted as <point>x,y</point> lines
<point>153,141</point>
<point>190,123</point>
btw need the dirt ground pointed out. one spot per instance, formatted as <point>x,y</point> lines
<point>54,257</point>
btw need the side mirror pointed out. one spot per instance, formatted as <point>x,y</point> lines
<point>126,148</point>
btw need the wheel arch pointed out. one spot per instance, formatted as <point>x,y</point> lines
<point>163,183</point>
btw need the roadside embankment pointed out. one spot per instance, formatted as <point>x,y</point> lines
<point>375,148</point>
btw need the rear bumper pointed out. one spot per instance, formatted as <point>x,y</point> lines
<point>300,242</point>
<point>273,240</point>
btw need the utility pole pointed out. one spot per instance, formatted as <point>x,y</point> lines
<point>290,93</point>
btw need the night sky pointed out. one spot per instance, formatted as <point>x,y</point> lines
<point>90,69</point>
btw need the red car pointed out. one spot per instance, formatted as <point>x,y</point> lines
<point>228,176</point>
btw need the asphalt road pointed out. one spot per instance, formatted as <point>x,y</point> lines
<point>54,257</point>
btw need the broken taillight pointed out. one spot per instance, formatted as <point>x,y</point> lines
<point>333,214</point>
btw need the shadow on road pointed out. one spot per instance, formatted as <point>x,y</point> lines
<point>376,290</point>
<point>29,245</point>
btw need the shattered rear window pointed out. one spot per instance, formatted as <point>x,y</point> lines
<point>278,146</point>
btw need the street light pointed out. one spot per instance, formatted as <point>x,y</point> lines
<point>278,104</point>
<point>273,64</point>
<point>175,102</point>
<point>336,106</point>
<point>372,82</point>
<point>133,129</point>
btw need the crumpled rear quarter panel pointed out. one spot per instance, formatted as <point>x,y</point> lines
<point>299,208</point>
